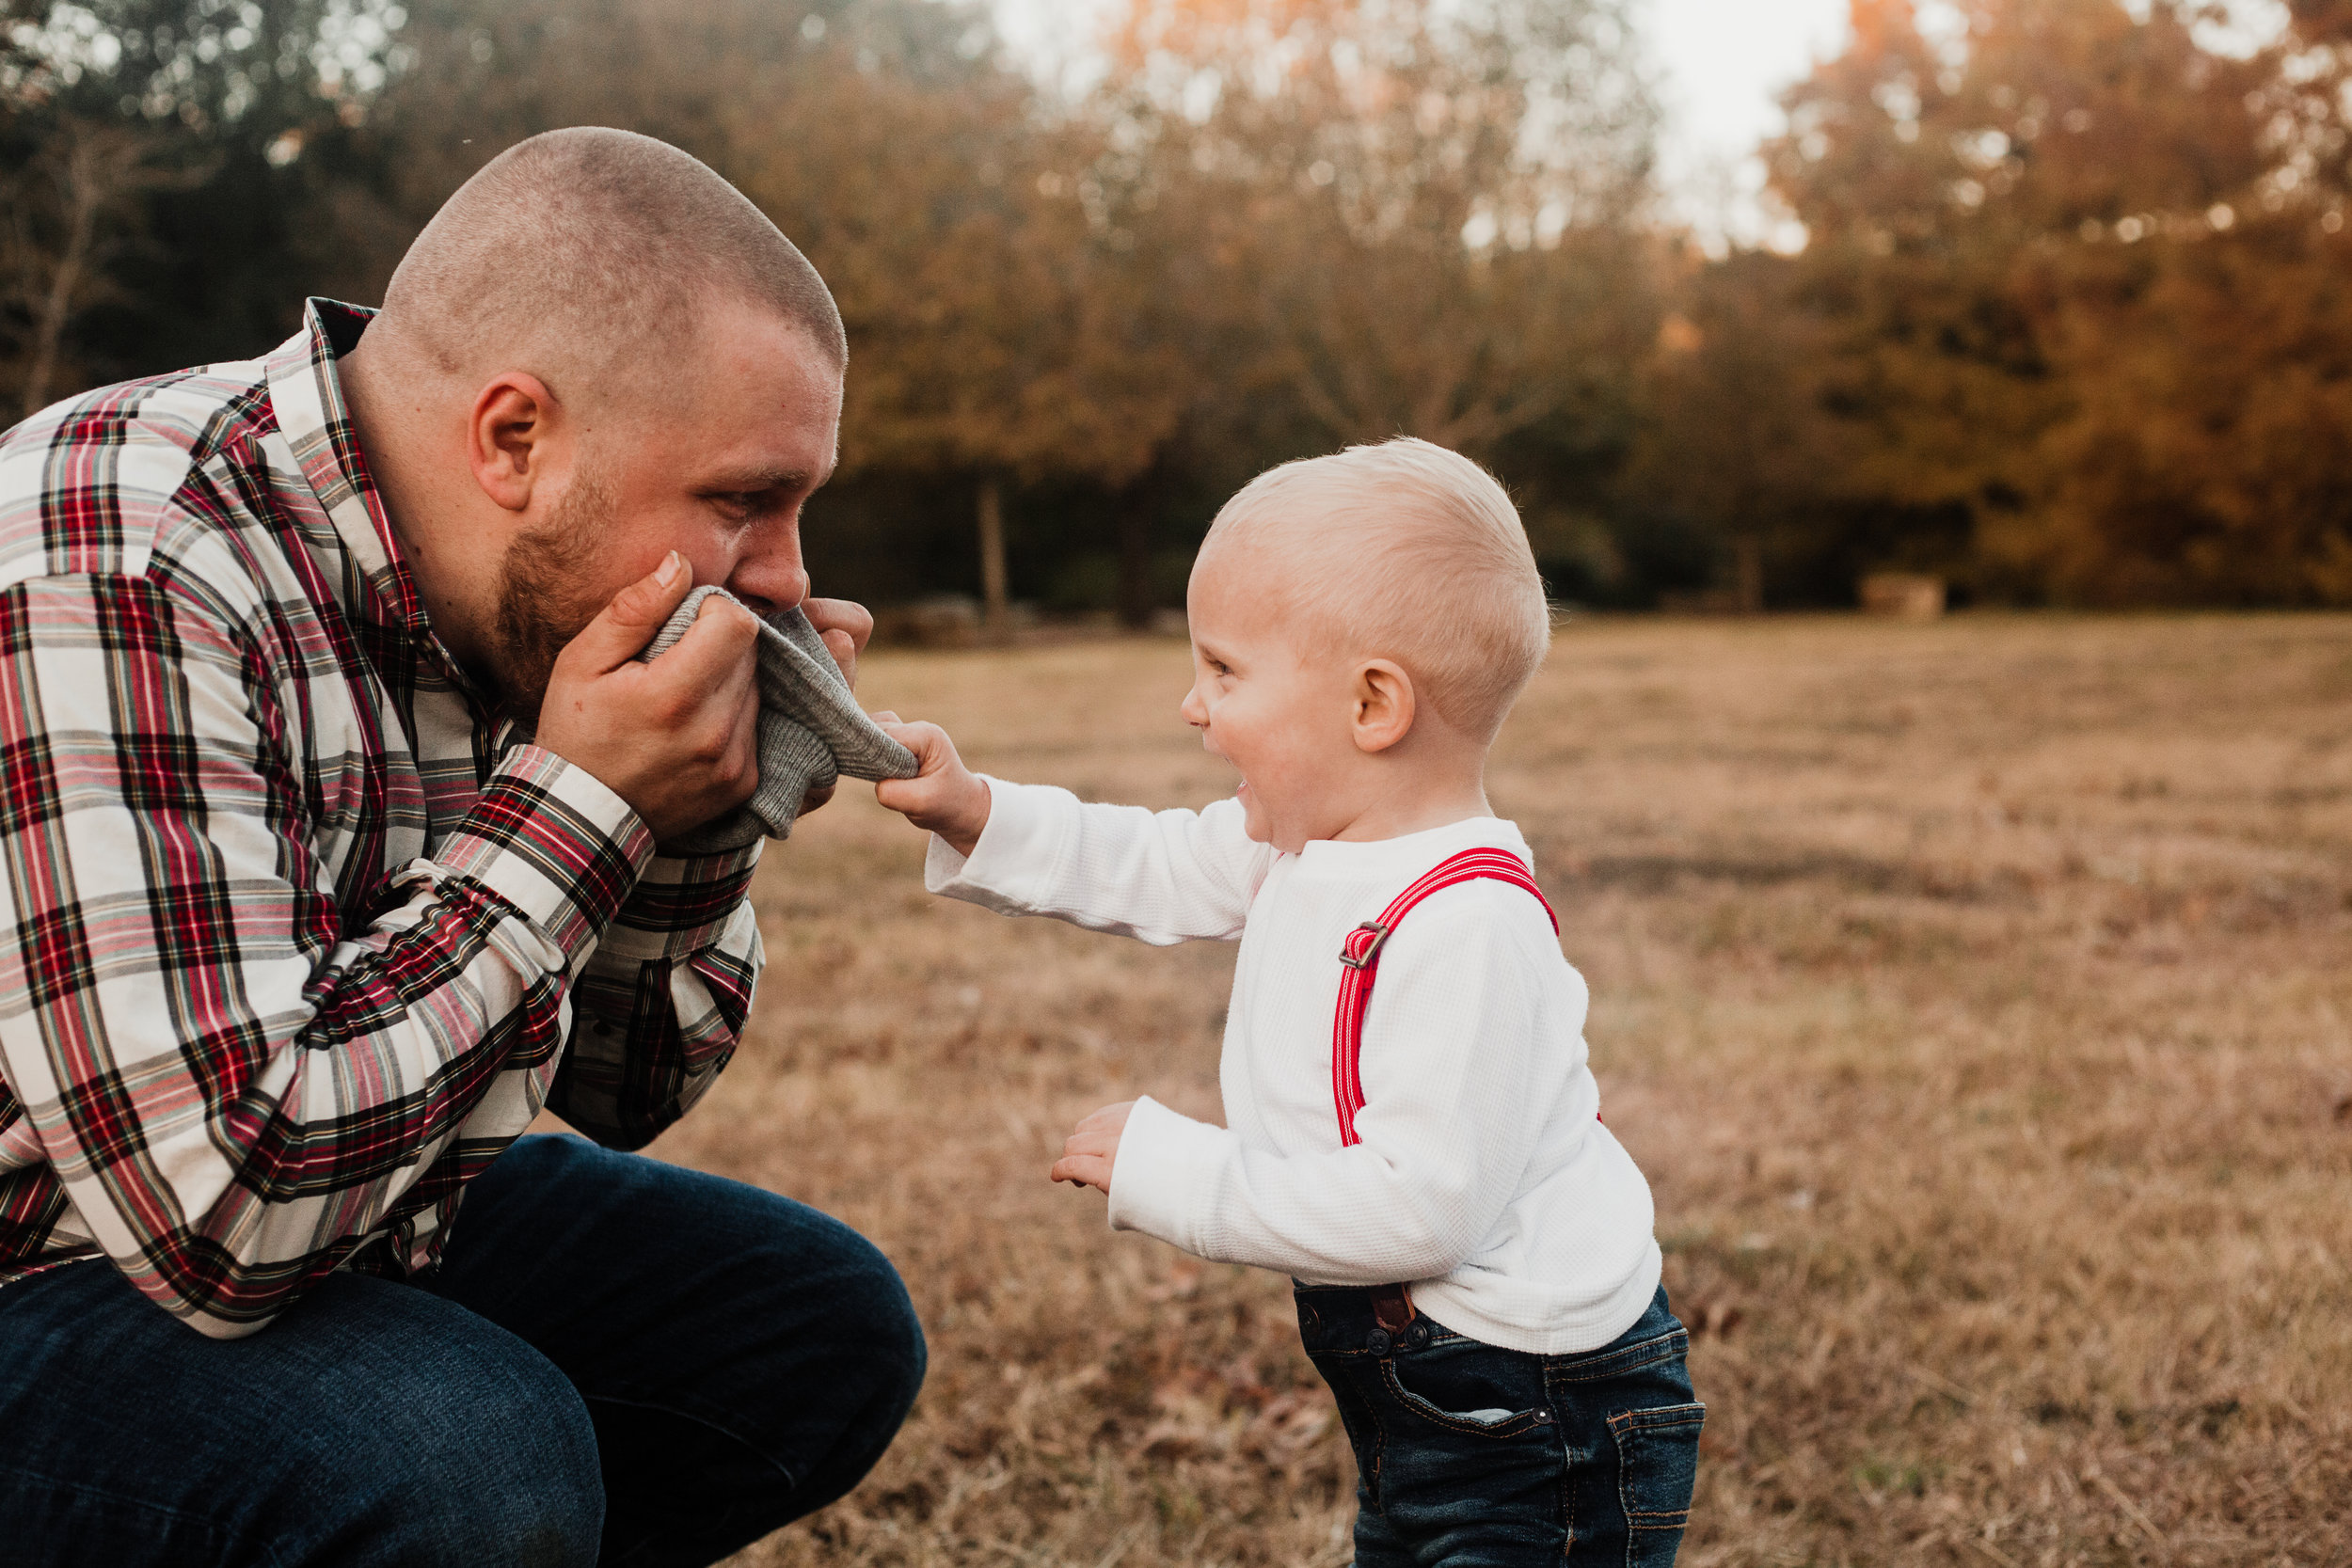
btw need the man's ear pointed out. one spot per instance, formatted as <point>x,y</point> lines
<point>1384,704</point>
<point>508,437</point>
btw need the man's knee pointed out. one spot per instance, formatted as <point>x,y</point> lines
<point>481,1454</point>
<point>878,1355</point>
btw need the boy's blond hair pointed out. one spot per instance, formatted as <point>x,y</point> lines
<point>1407,551</point>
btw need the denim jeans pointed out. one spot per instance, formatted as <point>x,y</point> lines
<point>1470,1456</point>
<point>618,1361</point>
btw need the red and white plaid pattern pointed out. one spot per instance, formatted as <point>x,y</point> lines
<point>295,933</point>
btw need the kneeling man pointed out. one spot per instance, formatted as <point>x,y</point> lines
<point>332,809</point>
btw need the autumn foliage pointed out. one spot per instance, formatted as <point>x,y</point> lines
<point>2070,322</point>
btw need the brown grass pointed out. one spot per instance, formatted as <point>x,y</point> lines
<point>1975,996</point>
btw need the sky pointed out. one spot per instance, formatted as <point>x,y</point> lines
<point>1719,64</point>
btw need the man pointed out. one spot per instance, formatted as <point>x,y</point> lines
<point>331,814</point>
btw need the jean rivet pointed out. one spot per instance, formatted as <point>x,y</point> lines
<point>1378,1343</point>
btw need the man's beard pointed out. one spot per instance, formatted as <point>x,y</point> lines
<point>547,594</point>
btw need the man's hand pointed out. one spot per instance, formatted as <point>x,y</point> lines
<point>944,797</point>
<point>675,739</point>
<point>1093,1148</point>
<point>845,626</point>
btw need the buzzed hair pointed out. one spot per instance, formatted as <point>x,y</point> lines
<point>1404,550</point>
<point>586,257</point>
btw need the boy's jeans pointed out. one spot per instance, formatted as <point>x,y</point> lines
<point>1475,1457</point>
<point>619,1363</point>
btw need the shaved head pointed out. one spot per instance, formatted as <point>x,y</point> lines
<point>589,258</point>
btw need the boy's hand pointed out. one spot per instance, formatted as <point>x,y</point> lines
<point>1093,1148</point>
<point>944,797</point>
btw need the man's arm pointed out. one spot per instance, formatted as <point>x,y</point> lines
<point>662,1003</point>
<point>232,1087</point>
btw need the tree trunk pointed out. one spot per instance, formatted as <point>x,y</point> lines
<point>83,197</point>
<point>1135,563</point>
<point>996,616</point>
<point>1748,562</point>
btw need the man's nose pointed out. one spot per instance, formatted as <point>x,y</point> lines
<point>769,574</point>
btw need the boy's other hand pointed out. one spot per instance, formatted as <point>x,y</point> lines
<point>945,797</point>
<point>1091,1152</point>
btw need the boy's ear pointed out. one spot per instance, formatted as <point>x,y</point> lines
<point>1384,704</point>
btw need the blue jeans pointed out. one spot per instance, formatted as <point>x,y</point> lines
<point>1470,1456</point>
<point>618,1361</point>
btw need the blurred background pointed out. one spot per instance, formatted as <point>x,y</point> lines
<point>2042,299</point>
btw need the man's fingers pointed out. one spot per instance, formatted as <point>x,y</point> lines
<point>622,629</point>
<point>844,625</point>
<point>845,655</point>
<point>846,616</point>
<point>885,718</point>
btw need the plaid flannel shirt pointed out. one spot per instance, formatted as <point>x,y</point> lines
<point>297,933</point>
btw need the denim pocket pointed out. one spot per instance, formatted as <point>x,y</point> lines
<point>1465,1387</point>
<point>1657,1465</point>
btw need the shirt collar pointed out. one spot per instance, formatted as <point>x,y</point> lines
<point>308,399</point>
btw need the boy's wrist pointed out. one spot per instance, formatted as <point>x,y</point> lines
<point>964,835</point>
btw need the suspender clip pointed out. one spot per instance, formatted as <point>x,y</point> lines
<point>1371,953</point>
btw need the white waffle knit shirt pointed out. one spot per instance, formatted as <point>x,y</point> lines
<point>1483,1179</point>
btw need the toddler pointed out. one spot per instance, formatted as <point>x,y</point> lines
<point>1413,1133</point>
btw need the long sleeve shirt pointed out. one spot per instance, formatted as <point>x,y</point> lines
<point>297,933</point>
<point>1484,1177</point>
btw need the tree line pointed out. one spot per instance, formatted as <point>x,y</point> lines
<point>2071,324</point>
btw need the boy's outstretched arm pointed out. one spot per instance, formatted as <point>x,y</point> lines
<point>945,797</point>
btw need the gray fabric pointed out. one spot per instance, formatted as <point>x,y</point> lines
<point>811,730</point>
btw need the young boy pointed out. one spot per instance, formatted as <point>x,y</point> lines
<point>1413,1133</point>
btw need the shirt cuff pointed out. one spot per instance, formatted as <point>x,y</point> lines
<point>1165,1164</point>
<point>552,841</point>
<point>1012,863</point>
<point>682,904</point>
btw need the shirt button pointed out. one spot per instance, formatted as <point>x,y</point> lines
<point>1378,1343</point>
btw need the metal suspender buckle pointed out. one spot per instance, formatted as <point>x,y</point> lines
<point>1371,949</point>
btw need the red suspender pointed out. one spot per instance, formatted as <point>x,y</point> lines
<point>1360,954</point>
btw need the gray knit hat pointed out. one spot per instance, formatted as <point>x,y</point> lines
<point>811,730</point>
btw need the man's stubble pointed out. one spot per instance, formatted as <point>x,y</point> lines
<point>548,591</point>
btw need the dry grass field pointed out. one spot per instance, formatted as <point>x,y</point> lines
<point>1977,997</point>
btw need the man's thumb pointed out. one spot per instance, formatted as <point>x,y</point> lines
<point>621,630</point>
